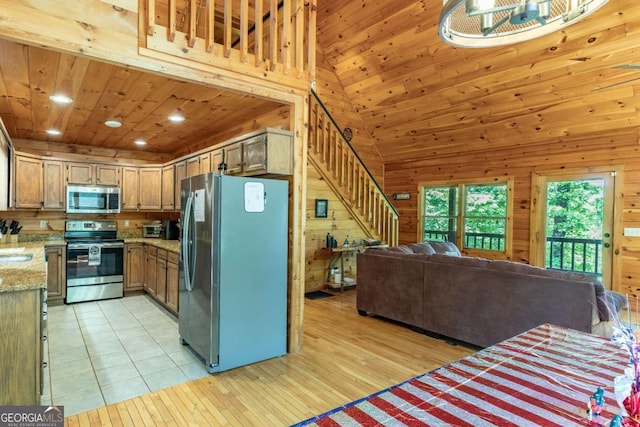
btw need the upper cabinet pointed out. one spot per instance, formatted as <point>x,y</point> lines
<point>53,184</point>
<point>141,189</point>
<point>28,192</point>
<point>168,188</point>
<point>90,174</point>
<point>39,183</point>
<point>266,152</point>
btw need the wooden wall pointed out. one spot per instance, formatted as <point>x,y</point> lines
<point>519,162</point>
<point>338,222</point>
<point>333,96</point>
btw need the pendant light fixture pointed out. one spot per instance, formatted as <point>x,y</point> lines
<point>487,23</point>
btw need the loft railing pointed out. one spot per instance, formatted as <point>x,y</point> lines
<point>345,172</point>
<point>562,253</point>
<point>269,36</point>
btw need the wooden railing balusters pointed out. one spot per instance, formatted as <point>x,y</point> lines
<point>259,33</point>
<point>209,37</point>
<point>273,35</point>
<point>171,33</point>
<point>228,22</point>
<point>348,176</point>
<point>193,25</point>
<point>244,30</point>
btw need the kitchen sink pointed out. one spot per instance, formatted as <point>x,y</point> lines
<point>15,258</point>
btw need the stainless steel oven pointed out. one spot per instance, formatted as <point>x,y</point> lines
<point>95,261</point>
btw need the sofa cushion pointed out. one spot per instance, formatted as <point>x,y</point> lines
<point>447,248</point>
<point>456,260</point>
<point>422,248</point>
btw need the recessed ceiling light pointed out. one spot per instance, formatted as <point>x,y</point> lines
<point>53,132</point>
<point>176,118</point>
<point>140,142</point>
<point>113,123</point>
<point>59,98</point>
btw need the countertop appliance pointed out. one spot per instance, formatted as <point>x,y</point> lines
<point>152,230</point>
<point>93,199</point>
<point>233,269</point>
<point>170,230</point>
<point>94,261</point>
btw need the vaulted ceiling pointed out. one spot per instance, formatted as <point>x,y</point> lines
<point>416,96</point>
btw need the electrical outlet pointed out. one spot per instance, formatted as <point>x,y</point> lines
<point>126,222</point>
<point>43,223</point>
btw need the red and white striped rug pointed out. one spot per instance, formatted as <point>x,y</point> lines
<point>542,377</point>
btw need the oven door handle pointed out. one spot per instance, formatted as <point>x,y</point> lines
<point>87,246</point>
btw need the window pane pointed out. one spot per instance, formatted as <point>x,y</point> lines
<point>486,200</point>
<point>485,219</point>
<point>441,201</point>
<point>440,228</point>
<point>440,213</point>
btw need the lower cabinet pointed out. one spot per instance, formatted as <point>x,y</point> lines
<point>135,263</point>
<point>56,274</point>
<point>20,341</point>
<point>171,300</point>
<point>162,276</point>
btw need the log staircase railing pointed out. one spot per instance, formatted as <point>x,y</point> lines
<point>339,165</point>
<point>274,38</point>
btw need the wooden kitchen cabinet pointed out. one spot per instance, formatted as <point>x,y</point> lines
<point>216,159</point>
<point>150,190</point>
<point>129,192</point>
<point>171,300</point>
<point>107,175</point>
<point>193,166</point>
<point>264,153</point>
<point>205,163</point>
<point>161,276</point>
<point>56,274</point>
<point>151,281</point>
<point>79,173</point>
<point>180,173</point>
<point>90,174</point>
<point>269,153</point>
<point>28,189</point>
<point>134,266</point>
<point>21,343</point>
<point>168,188</point>
<point>233,158</point>
<point>53,185</point>
<point>141,189</point>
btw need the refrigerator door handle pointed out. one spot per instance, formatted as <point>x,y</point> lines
<point>187,243</point>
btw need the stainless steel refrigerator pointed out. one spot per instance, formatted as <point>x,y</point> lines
<point>233,269</point>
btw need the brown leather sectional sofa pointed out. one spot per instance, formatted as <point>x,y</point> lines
<point>475,300</point>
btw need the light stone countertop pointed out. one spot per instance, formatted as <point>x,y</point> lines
<point>24,275</point>
<point>28,275</point>
<point>169,245</point>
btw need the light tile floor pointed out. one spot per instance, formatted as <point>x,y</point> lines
<point>103,352</point>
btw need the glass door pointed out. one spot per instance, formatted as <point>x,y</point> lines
<point>575,223</point>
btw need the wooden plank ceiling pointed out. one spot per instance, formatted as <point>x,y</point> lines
<point>141,101</point>
<point>419,97</point>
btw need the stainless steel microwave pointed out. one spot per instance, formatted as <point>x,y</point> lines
<point>93,199</point>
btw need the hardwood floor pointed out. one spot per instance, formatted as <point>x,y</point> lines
<point>345,357</point>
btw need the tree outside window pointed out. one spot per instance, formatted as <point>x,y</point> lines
<point>479,210</point>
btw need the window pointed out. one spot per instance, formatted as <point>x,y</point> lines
<point>474,215</point>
